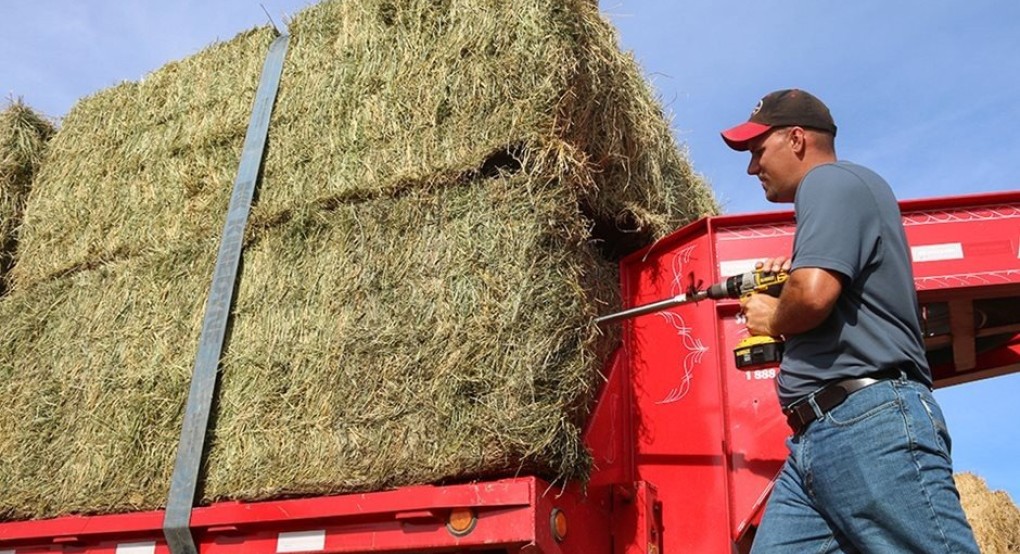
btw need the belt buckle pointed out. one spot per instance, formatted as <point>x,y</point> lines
<point>793,407</point>
<point>794,418</point>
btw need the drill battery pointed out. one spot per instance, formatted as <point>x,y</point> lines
<point>755,352</point>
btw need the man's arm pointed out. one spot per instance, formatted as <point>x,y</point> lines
<point>807,299</point>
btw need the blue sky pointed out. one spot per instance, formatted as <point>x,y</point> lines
<point>925,92</point>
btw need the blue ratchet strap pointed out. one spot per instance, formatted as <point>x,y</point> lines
<point>183,484</point>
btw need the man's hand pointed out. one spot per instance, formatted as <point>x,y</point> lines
<point>759,309</point>
<point>774,265</point>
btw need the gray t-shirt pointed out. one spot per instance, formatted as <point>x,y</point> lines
<point>848,222</point>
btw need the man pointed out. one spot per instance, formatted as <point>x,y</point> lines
<point>869,467</point>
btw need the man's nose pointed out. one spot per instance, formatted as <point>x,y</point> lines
<point>753,167</point>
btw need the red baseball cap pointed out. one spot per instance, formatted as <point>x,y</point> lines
<point>782,108</point>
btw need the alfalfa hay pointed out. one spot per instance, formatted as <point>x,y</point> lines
<point>993,515</point>
<point>444,186</point>
<point>388,342</point>
<point>373,94</point>
<point>142,165</point>
<point>94,371</point>
<point>404,341</point>
<point>24,135</point>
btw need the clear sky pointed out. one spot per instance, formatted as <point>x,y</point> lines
<point>925,92</point>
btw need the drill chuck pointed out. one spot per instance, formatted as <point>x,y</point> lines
<point>730,288</point>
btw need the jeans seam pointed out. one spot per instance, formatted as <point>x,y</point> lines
<point>804,467</point>
<point>827,544</point>
<point>904,411</point>
<point>937,430</point>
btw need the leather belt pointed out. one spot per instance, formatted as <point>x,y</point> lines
<point>800,414</point>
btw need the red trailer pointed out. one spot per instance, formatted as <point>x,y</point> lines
<point>685,445</point>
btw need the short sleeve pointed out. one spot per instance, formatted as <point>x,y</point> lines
<point>838,225</point>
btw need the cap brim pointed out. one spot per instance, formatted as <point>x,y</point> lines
<point>738,137</point>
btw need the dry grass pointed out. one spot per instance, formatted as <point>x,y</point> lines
<point>375,94</point>
<point>447,186</point>
<point>359,359</point>
<point>992,514</point>
<point>94,371</point>
<point>24,135</point>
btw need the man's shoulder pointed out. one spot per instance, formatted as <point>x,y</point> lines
<point>837,179</point>
<point>843,171</point>
<point>842,180</point>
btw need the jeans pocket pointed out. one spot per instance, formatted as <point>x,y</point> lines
<point>850,413</point>
<point>863,405</point>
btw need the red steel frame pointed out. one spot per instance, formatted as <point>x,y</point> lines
<point>513,514</point>
<point>685,445</point>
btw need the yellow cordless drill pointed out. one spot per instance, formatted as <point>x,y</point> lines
<point>752,352</point>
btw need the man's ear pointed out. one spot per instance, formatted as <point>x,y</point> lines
<point>798,140</point>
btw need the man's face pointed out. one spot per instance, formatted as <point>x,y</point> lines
<point>775,163</point>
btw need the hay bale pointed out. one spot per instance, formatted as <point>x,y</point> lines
<point>94,372</point>
<point>446,187</point>
<point>143,166</point>
<point>382,343</point>
<point>459,343</point>
<point>375,95</point>
<point>24,135</point>
<point>992,514</point>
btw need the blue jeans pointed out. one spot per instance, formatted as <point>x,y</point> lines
<point>874,475</point>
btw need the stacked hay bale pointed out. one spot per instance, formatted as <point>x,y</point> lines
<point>992,514</point>
<point>24,135</point>
<point>446,186</point>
